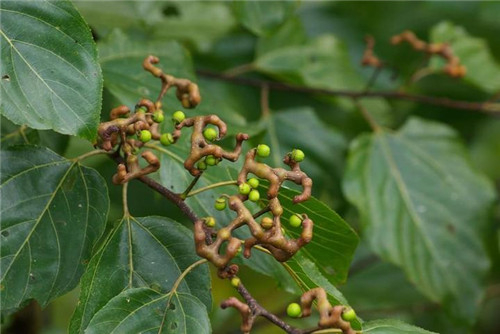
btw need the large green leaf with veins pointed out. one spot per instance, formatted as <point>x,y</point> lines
<point>140,252</point>
<point>144,310</point>
<point>50,75</point>
<point>425,209</point>
<point>52,213</point>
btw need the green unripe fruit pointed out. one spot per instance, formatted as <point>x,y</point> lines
<point>263,150</point>
<point>201,165</point>
<point>178,116</point>
<point>298,155</point>
<point>253,182</point>
<point>235,281</point>
<point>294,310</point>
<point>211,160</point>
<point>142,109</point>
<point>210,221</point>
<point>254,195</point>
<point>348,314</point>
<point>220,203</point>
<point>266,223</point>
<point>145,136</point>
<point>166,139</point>
<point>158,116</point>
<point>295,220</point>
<point>210,134</point>
<point>244,188</point>
<point>224,234</point>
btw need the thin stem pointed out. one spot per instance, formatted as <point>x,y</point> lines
<point>261,212</point>
<point>90,154</point>
<point>373,78</point>
<point>126,212</point>
<point>19,131</point>
<point>239,70</point>
<point>176,285</point>
<point>163,150</point>
<point>185,193</point>
<point>483,107</point>
<point>367,116</point>
<point>212,186</point>
<point>423,72</point>
<point>264,100</point>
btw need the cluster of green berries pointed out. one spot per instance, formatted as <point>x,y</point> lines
<point>295,311</point>
<point>166,139</point>
<point>250,188</point>
<point>209,160</point>
<point>296,155</point>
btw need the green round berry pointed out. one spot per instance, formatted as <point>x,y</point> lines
<point>235,281</point>
<point>254,195</point>
<point>166,139</point>
<point>210,221</point>
<point>145,136</point>
<point>178,116</point>
<point>202,165</point>
<point>253,182</point>
<point>298,155</point>
<point>244,188</point>
<point>295,220</point>
<point>263,150</point>
<point>266,223</point>
<point>158,116</point>
<point>210,134</point>
<point>220,203</point>
<point>294,310</point>
<point>141,109</point>
<point>211,160</point>
<point>348,314</point>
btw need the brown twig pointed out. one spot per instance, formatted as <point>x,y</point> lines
<point>483,107</point>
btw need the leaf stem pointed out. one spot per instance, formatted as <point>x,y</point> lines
<point>367,116</point>
<point>190,187</point>
<point>176,285</point>
<point>212,186</point>
<point>90,154</point>
<point>239,70</point>
<point>126,212</point>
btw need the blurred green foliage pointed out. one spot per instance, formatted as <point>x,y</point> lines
<point>320,45</point>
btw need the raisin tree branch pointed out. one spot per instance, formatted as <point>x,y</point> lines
<point>487,107</point>
<point>257,310</point>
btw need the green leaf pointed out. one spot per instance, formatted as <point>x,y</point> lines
<point>483,70</point>
<point>140,252</point>
<point>389,326</point>
<point>422,202</point>
<point>261,17</point>
<point>334,241</point>
<point>53,211</point>
<point>111,15</point>
<point>291,33</point>
<point>50,75</point>
<point>322,62</point>
<point>121,60</point>
<point>143,310</point>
